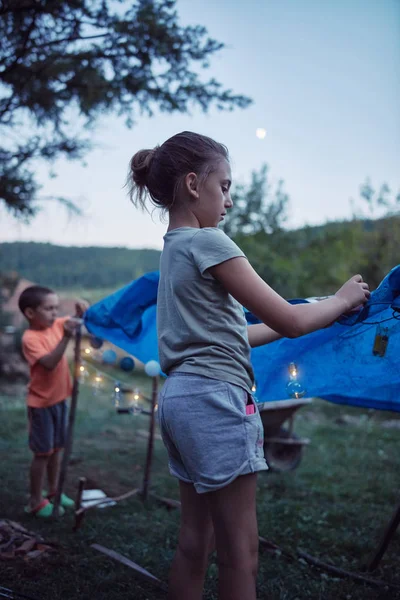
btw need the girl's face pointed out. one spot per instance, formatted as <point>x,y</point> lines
<point>214,197</point>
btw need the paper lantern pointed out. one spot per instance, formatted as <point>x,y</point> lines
<point>109,357</point>
<point>152,368</point>
<point>96,342</point>
<point>127,363</point>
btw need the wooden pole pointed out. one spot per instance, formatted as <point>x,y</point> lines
<point>71,422</point>
<point>150,445</point>
<point>390,530</point>
<point>78,502</point>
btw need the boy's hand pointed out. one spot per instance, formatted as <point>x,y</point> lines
<point>70,326</point>
<point>81,307</point>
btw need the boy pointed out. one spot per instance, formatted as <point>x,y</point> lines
<point>43,345</point>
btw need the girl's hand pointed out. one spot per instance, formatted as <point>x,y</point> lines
<point>353,293</point>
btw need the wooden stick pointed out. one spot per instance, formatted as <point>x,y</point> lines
<point>81,487</point>
<point>287,441</point>
<point>142,573</point>
<point>79,518</point>
<point>71,422</point>
<point>169,502</point>
<point>271,547</point>
<point>83,509</point>
<point>150,445</point>
<point>389,532</point>
<point>342,573</point>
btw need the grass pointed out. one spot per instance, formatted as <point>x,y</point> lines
<point>334,506</point>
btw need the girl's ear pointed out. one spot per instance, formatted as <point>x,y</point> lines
<point>191,185</point>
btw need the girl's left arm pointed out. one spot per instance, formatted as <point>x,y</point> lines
<point>261,334</point>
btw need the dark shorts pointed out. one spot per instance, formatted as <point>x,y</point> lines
<point>47,428</point>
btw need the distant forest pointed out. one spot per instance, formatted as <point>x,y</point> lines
<point>310,261</point>
<point>71,267</point>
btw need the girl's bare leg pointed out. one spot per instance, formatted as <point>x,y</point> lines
<point>196,541</point>
<point>233,511</point>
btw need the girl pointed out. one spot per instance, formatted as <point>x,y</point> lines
<point>209,421</point>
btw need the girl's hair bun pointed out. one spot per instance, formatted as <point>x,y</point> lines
<point>158,175</point>
<point>140,165</point>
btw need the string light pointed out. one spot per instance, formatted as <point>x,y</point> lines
<point>125,399</point>
<point>97,383</point>
<point>88,351</point>
<point>117,394</point>
<point>293,387</point>
<point>136,408</point>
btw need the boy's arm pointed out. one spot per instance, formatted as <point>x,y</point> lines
<point>51,360</point>
<point>261,334</point>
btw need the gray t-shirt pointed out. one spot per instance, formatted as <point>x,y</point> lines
<point>201,327</point>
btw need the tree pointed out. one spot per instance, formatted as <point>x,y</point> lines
<point>65,63</point>
<point>380,233</point>
<point>257,207</point>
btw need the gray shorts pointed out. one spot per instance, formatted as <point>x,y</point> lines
<point>47,427</point>
<point>209,437</point>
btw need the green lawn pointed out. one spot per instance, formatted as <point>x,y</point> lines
<point>333,506</point>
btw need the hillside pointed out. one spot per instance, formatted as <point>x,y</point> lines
<point>76,267</point>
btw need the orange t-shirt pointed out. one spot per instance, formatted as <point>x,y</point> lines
<point>46,387</point>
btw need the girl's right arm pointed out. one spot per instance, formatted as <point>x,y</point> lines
<point>242,282</point>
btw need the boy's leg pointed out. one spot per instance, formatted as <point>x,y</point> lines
<point>233,511</point>
<point>53,472</point>
<point>195,543</point>
<point>58,414</point>
<point>37,473</point>
<point>40,442</point>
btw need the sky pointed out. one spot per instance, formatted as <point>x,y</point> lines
<point>325,82</point>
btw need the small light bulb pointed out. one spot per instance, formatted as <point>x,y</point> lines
<point>117,389</point>
<point>261,133</point>
<point>87,351</point>
<point>254,388</point>
<point>294,388</point>
<point>293,370</point>
<point>81,368</point>
<point>136,396</point>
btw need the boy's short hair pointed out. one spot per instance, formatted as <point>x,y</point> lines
<point>32,297</point>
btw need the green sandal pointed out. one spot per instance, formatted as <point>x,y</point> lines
<point>44,510</point>
<point>65,500</point>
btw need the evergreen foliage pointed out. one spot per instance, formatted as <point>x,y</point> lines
<point>64,64</point>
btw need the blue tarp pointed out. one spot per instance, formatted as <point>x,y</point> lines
<point>336,363</point>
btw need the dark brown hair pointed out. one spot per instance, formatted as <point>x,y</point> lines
<point>159,172</point>
<point>32,297</point>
